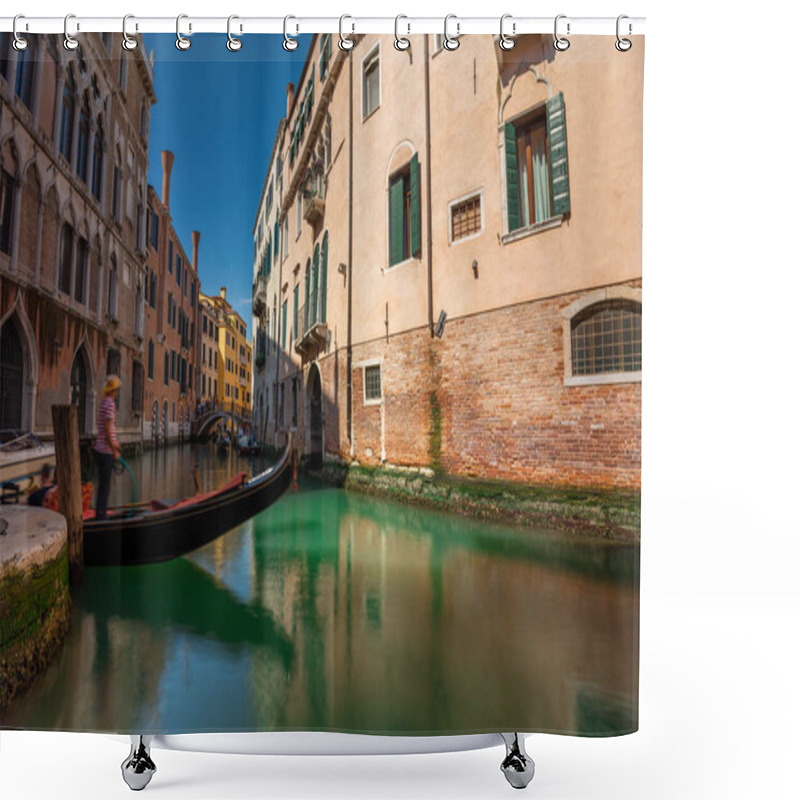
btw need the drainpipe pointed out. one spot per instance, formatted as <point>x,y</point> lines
<point>350,267</point>
<point>429,236</point>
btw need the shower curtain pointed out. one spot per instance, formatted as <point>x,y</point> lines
<point>321,384</point>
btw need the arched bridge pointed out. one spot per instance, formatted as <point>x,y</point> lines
<point>203,424</point>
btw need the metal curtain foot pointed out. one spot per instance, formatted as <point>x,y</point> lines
<point>138,768</point>
<point>517,766</point>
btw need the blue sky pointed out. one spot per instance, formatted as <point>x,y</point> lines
<point>218,112</point>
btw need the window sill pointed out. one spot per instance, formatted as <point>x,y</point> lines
<point>603,378</point>
<point>530,230</point>
<point>403,263</point>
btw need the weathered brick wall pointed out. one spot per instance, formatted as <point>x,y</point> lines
<point>489,400</point>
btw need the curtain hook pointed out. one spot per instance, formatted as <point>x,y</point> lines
<point>182,43</point>
<point>506,42</point>
<point>623,45</point>
<point>128,42</point>
<point>70,43</point>
<point>560,43</point>
<point>345,43</point>
<point>289,43</point>
<point>400,42</point>
<point>451,43</point>
<point>20,43</point>
<point>233,44</point>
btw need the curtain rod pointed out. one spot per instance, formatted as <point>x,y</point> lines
<point>294,25</point>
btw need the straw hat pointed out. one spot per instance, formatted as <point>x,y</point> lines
<point>112,383</point>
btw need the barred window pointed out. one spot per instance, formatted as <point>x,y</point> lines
<point>607,337</point>
<point>372,382</point>
<point>465,218</point>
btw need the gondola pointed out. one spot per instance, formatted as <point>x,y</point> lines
<point>129,537</point>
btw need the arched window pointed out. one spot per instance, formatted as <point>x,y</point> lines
<point>97,161</point>
<point>79,384</point>
<point>606,338</point>
<point>8,186</point>
<point>143,121</point>
<point>26,65</point>
<point>81,270</point>
<point>82,165</point>
<point>111,306</point>
<point>67,117</point>
<point>65,259</point>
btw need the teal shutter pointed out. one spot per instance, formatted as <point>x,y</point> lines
<point>323,280</point>
<point>307,312</point>
<point>296,310</point>
<point>416,213</point>
<point>557,145</point>
<point>512,177</point>
<point>275,240</point>
<point>283,332</point>
<point>396,221</point>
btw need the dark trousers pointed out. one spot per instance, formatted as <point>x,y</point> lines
<point>105,464</point>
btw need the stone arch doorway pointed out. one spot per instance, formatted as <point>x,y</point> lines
<point>314,405</point>
<point>12,376</point>
<point>79,382</point>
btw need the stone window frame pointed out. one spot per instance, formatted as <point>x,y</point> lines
<point>568,314</point>
<point>366,61</point>
<point>459,201</point>
<point>372,362</point>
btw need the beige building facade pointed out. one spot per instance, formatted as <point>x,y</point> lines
<point>461,238</point>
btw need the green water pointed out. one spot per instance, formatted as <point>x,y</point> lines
<point>334,611</point>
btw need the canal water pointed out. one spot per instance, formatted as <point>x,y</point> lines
<point>336,611</point>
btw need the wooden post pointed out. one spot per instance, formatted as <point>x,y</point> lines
<point>68,480</point>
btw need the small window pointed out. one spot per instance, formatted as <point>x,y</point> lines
<point>371,83</point>
<point>372,382</point>
<point>465,218</point>
<point>607,338</point>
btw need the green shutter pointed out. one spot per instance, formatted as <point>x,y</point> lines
<point>396,221</point>
<point>323,281</point>
<point>315,287</point>
<point>512,177</point>
<point>557,146</point>
<point>307,312</point>
<point>275,240</point>
<point>416,214</point>
<point>296,310</point>
<point>283,331</point>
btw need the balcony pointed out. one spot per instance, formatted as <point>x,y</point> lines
<point>314,209</point>
<point>259,295</point>
<point>312,330</point>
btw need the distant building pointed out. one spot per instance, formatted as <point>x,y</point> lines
<point>172,318</point>
<point>459,268</point>
<point>234,371</point>
<point>209,353</point>
<point>74,130</point>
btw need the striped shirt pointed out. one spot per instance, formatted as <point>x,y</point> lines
<point>107,412</point>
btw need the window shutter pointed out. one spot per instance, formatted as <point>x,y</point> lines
<point>323,281</point>
<point>557,145</point>
<point>396,221</point>
<point>275,240</point>
<point>416,214</point>
<point>512,177</point>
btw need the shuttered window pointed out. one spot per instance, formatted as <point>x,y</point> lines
<point>537,170</point>
<point>404,214</point>
<point>370,83</point>
<point>284,313</point>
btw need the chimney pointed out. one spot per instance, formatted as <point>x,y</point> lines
<point>167,159</point>
<point>195,248</point>
<point>223,291</point>
<point>289,98</point>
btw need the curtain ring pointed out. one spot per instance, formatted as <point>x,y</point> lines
<point>560,42</point>
<point>182,43</point>
<point>506,42</point>
<point>128,42</point>
<point>233,44</point>
<point>288,43</point>
<point>20,43</point>
<point>451,43</point>
<point>400,42</point>
<point>70,43</point>
<point>345,43</point>
<point>623,45</point>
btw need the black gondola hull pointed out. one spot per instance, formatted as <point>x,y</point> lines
<point>154,538</point>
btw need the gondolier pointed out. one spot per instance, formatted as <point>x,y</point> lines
<point>106,448</point>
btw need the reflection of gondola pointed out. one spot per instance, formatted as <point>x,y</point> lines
<point>167,531</point>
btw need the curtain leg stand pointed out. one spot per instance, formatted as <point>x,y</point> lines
<point>138,768</point>
<point>517,766</point>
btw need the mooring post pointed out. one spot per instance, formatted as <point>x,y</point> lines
<point>68,480</point>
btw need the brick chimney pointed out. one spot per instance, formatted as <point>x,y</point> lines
<point>167,159</point>
<point>289,98</point>
<point>223,291</point>
<point>195,248</point>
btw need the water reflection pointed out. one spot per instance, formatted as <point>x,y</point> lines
<point>339,612</point>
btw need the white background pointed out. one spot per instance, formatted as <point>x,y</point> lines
<point>719,601</point>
